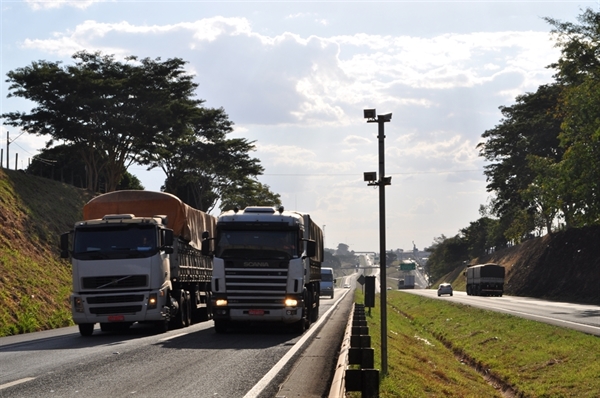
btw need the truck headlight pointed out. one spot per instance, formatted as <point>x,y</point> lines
<point>220,302</point>
<point>290,302</point>
<point>152,301</point>
<point>78,304</point>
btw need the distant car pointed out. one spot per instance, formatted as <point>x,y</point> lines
<point>346,286</point>
<point>445,288</point>
<point>389,288</point>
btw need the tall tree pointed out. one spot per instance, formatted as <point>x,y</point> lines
<point>107,110</point>
<point>529,127</point>
<point>579,69</point>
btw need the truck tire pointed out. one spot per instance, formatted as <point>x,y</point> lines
<point>161,326</point>
<point>178,321</point>
<point>220,326</point>
<point>86,329</point>
<point>188,309</point>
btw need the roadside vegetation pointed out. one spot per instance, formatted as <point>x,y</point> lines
<point>35,283</point>
<point>439,348</point>
<point>541,158</point>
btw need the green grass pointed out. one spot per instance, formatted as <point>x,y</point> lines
<point>434,347</point>
<point>35,283</point>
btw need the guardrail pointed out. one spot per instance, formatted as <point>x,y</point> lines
<point>355,367</point>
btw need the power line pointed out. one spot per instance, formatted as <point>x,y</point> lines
<point>354,174</point>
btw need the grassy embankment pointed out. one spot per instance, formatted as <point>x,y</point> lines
<point>34,282</point>
<point>435,347</point>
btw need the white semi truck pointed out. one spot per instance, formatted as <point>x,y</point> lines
<point>136,258</point>
<point>267,267</point>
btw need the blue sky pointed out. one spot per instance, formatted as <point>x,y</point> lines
<point>295,77</point>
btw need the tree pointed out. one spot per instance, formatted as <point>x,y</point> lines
<point>530,127</point>
<point>482,235</point>
<point>579,70</point>
<point>446,254</point>
<point>208,167</point>
<point>579,45</point>
<point>59,163</point>
<point>107,110</point>
<point>249,193</point>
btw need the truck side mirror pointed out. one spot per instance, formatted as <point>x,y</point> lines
<point>311,248</point>
<point>167,244</point>
<point>205,245</point>
<point>64,245</point>
<point>205,248</point>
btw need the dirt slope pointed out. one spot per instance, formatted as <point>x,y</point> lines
<point>34,282</point>
<point>561,266</point>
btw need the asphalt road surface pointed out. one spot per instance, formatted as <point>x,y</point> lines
<point>255,361</point>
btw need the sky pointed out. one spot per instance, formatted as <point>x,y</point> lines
<point>295,77</point>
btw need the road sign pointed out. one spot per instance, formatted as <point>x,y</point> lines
<point>408,266</point>
<point>361,279</point>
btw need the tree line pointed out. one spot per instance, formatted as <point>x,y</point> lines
<point>102,115</point>
<point>543,157</point>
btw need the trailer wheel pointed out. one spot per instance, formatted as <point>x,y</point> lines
<point>86,329</point>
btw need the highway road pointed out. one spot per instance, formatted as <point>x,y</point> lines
<point>193,362</point>
<point>585,318</point>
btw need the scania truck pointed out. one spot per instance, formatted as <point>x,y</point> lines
<point>267,267</point>
<point>136,257</point>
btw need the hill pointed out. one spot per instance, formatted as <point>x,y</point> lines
<point>562,266</point>
<point>34,282</point>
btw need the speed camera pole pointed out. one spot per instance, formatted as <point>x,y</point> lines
<point>369,114</point>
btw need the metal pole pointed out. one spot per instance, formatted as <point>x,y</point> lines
<point>382,259</point>
<point>7,157</point>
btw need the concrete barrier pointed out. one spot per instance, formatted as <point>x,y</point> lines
<point>356,350</point>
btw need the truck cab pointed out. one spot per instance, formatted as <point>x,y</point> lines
<point>327,282</point>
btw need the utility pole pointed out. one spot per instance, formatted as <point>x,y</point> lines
<point>371,177</point>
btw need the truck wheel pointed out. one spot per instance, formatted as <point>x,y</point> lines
<point>178,321</point>
<point>86,329</point>
<point>188,309</point>
<point>300,326</point>
<point>161,326</point>
<point>220,326</point>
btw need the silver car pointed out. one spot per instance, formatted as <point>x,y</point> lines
<point>444,288</point>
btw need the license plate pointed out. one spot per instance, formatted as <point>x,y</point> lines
<point>256,312</point>
<point>116,318</point>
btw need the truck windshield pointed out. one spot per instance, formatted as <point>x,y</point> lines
<point>257,244</point>
<point>115,241</point>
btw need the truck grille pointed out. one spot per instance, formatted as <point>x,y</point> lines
<point>256,287</point>
<point>115,282</point>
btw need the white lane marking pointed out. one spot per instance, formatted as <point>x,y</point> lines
<point>14,383</point>
<point>173,337</point>
<point>264,382</point>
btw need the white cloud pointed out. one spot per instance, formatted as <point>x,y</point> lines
<point>335,73</point>
<point>49,4</point>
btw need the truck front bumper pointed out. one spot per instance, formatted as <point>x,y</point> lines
<point>118,307</point>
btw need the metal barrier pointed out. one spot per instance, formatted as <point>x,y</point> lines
<point>356,350</point>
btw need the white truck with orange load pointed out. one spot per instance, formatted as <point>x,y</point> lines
<point>136,258</point>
